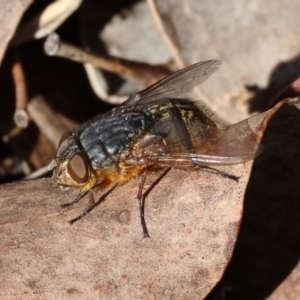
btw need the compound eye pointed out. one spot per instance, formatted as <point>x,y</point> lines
<point>78,168</point>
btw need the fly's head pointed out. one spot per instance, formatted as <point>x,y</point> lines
<point>71,166</point>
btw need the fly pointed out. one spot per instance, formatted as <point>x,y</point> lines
<point>152,129</point>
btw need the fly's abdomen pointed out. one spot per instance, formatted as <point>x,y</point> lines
<point>183,126</point>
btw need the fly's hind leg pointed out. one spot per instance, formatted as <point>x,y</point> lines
<point>219,173</point>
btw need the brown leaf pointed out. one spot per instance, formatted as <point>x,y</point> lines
<point>193,219</point>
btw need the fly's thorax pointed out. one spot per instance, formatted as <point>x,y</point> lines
<point>72,167</point>
<point>111,136</point>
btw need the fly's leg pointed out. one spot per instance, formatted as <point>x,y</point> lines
<point>92,204</point>
<point>79,196</point>
<point>141,198</point>
<point>87,209</point>
<point>219,173</point>
<point>141,201</point>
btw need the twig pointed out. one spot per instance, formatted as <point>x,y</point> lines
<point>144,72</point>
<point>169,43</point>
<point>38,173</point>
<point>100,87</point>
<point>46,119</point>
<point>20,115</point>
<point>46,22</point>
<point>175,52</point>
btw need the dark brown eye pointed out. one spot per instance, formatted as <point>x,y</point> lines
<point>78,168</point>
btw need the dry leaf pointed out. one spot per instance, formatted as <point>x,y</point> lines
<point>46,22</point>
<point>193,219</point>
<point>10,15</point>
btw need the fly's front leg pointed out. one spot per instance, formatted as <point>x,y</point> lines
<point>87,209</point>
<point>92,204</point>
<point>79,196</point>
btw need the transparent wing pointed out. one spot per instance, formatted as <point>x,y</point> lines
<point>230,154</point>
<point>235,145</point>
<point>175,84</point>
